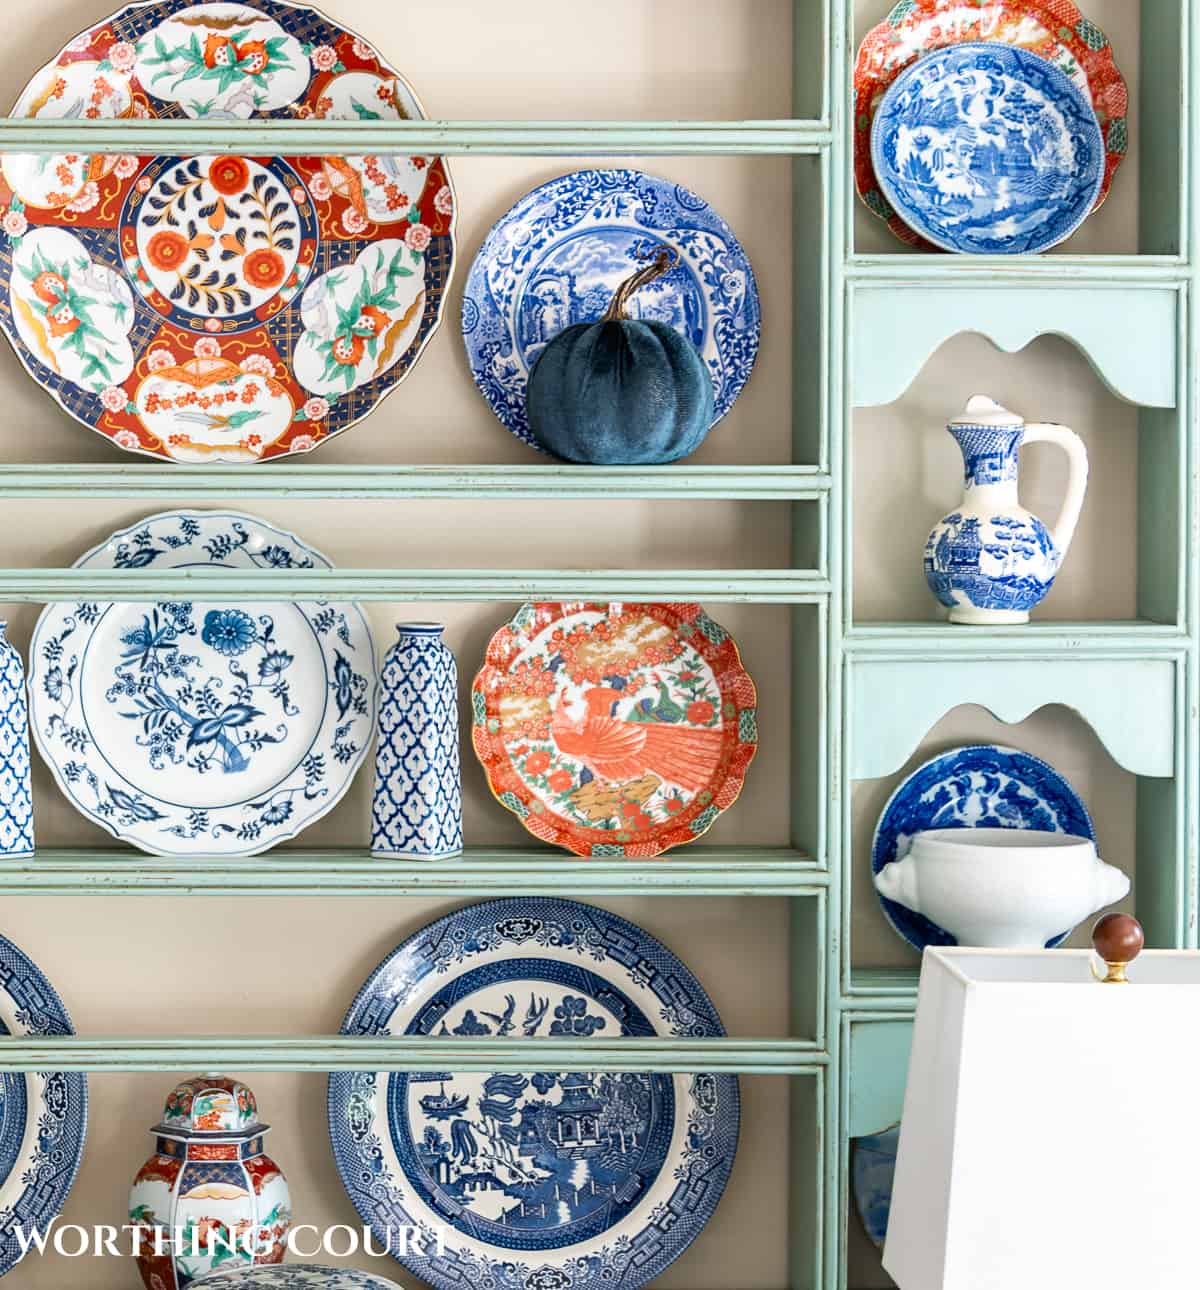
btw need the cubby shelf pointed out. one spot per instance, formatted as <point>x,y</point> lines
<point>517,483</point>
<point>405,1052</point>
<point>1137,637</point>
<point>481,871</point>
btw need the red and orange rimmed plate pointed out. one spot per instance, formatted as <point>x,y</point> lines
<point>614,730</point>
<point>221,308</point>
<point>1053,29</point>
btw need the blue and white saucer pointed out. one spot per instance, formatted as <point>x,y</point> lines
<point>988,149</point>
<point>537,1180</point>
<point>203,729</point>
<point>294,1276</point>
<point>872,1172</point>
<point>982,786</point>
<point>43,1115</point>
<point>558,255</point>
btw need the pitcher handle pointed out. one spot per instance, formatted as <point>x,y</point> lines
<point>1077,478</point>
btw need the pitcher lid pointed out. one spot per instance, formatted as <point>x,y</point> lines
<point>982,411</point>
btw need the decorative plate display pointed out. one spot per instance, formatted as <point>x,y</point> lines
<point>209,729</point>
<point>986,148</point>
<point>621,729</point>
<point>983,786</point>
<point>295,1276</point>
<point>221,308</point>
<point>542,1180</point>
<point>43,1116</point>
<point>1052,29</point>
<point>560,253</point>
<point>872,1171</point>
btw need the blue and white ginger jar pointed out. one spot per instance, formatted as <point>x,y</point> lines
<point>416,812</point>
<point>991,561</point>
<point>16,790</point>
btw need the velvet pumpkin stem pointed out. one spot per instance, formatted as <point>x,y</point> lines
<point>664,262</point>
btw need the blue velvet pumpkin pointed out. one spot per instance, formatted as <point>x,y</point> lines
<point>621,391</point>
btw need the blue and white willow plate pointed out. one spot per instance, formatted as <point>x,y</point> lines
<point>538,1180</point>
<point>872,1173</point>
<point>986,148</point>
<point>43,1116</point>
<point>983,786</point>
<point>294,1276</point>
<point>214,729</point>
<point>559,254</point>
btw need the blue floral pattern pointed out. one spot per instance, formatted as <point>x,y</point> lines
<point>566,1179</point>
<point>557,256</point>
<point>980,787</point>
<point>986,148</point>
<point>185,728</point>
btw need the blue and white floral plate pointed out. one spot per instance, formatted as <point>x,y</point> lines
<point>986,148</point>
<point>211,729</point>
<point>294,1276</point>
<point>537,1180</point>
<point>43,1115</point>
<point>983,786</point>
<point>872,1172</point>
<point>559,254</point>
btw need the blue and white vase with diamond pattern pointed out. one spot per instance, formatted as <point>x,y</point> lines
<point>416,812</point>
<point>16,790</point>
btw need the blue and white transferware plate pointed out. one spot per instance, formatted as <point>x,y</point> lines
<point>986,148</point>
<point>43,1116</point>
<point>536,1180</point>
<point>983,786</point>
<point>211,729</point>
<point>559,254</point>
<point>872,1171</point>
<point>294,1276</point>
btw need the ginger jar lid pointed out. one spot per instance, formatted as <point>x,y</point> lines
<point>210,1106</point>
<point>983,411</point>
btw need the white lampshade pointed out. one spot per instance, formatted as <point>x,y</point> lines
<point>1051,1130</point>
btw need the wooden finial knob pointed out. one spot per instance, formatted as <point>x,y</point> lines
<point>1118,939</point>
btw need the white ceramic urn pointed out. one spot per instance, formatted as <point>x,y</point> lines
<point>1014,888</point>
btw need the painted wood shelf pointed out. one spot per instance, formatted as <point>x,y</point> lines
<point>283,138</point>
<point>760,586</point>
<point>407,1053</point>
<point>520,483</point>
<point>1039,271</point>
<point>481,871</point>
<point>1082,639</point>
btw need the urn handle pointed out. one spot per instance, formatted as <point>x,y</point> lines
<point>1072,445</point>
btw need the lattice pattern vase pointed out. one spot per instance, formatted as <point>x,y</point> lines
<point>16,791</point>
<point>416,812</point>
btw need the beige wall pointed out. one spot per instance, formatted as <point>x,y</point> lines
<point>130,966</point>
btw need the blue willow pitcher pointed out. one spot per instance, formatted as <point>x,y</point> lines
<point>991,561</point>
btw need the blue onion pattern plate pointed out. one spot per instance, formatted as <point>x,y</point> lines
<point>558,255</point>
<point>985,148</point>
<point>295,1276</point>
<point>537,1180</point>
<point>43,1116</point>
<point>203,729</point>
<point>872,1171</point>
<point>984,786</point>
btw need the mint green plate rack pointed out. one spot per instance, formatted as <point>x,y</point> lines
<point>864,693</point>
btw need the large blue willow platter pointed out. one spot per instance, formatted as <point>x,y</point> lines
<point>987,149</point>
<point>984,786</point>
<point>43,1115</point>
<point>203,729</point>
<point>537,1180</point>
<point>558,255</point>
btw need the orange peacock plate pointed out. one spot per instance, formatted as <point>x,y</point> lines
<point>212,309</point>
<point>614,730</point>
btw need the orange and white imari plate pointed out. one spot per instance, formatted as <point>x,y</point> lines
<point>1053,29</point>
<point>221,308</point>
<point>621,729</point>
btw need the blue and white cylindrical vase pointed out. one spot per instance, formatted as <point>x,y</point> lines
<point>416,812</point>
<point>16,790</point>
